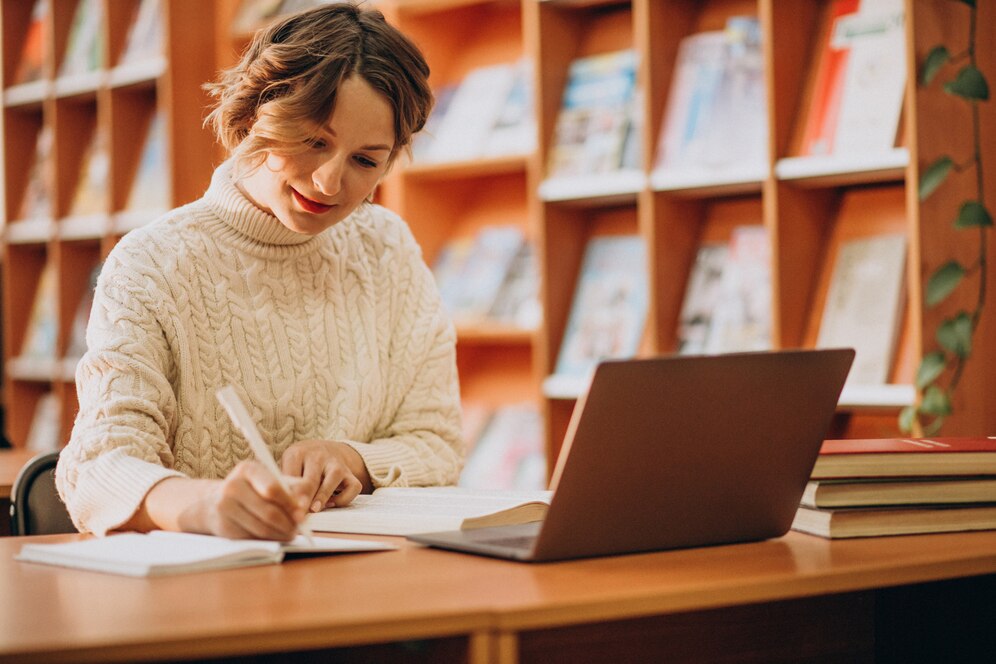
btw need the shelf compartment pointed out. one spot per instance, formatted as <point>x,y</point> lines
<point>598,189</point>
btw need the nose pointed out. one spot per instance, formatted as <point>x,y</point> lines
<point>327,178</point>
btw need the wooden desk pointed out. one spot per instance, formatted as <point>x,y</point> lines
<point>798,598</point>
<point>11,462</point>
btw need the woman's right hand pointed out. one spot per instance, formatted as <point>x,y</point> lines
<point>249,503</point>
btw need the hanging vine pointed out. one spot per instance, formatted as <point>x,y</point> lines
<point>954,335</point>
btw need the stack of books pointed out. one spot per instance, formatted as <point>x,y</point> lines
<point>900,486</point>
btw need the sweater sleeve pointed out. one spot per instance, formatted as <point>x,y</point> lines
<point>419,442</point>
<point>118,449</point>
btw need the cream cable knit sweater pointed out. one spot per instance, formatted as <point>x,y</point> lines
<point>338,336</point>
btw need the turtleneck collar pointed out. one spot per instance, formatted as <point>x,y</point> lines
<point>239,213</point>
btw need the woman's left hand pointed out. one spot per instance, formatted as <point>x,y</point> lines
<point>334,471</point>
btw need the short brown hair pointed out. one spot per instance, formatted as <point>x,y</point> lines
<point>284,87</point>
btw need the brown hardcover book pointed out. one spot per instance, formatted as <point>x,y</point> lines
<point>873,522</point>
<point>899,491</point>
<point>906,457</point>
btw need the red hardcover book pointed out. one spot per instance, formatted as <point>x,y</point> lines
<point>824,108</point>
<point>906,457</point>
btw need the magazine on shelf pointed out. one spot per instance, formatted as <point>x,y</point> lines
<point>150,188</point>
<point>90,196</point>
<point>716,111</point>
<point>509,453</point>
<point>864,304</point>
<point>42,328</point>
<point>252,14</point>
<point>30,66</point>
<point>517,302</point>
<point>741,319</point>
<point>145,37</point>
<point>38,200</point>
<point>514,130</point>
<point>471,114</point>
<point>76,347</point>
<point>472,271</point>
<point>701,296</point>
<point>85,49</point>
<point>857,94</point>
<point>43,435</point>
<point>595,115</point>
<point>609,309</point>
<point>422,143</point>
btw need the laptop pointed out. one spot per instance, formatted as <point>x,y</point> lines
<point>676,452</point>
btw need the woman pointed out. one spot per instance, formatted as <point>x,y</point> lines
<point>286,282</point>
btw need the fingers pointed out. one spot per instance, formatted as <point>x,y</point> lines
<point>339,488</point>
<point>322,466</point>
<point>252,503</point>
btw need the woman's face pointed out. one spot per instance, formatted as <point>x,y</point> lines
<point>315,189</point>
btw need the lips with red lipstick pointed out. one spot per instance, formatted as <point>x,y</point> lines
<point>309,205</point>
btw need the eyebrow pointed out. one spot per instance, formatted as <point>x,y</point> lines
<point>365,148</point>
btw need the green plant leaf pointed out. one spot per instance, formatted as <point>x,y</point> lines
<point>955,335</point>
<point>906,418</point>
<point>935,402</point>
<point>931,366</point>
<point>972,215</point>
<point>969,84</point>
<point>943,281</point>
<point>933,63</point>
<point>935,174</point>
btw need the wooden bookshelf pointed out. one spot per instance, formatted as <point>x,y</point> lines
<point>808,205</point>
<point>118,99</point>
<point>443,200</point>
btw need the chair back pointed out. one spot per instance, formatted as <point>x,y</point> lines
<point>35,505</point>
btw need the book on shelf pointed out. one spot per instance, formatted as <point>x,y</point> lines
<point>906,457</point>
<point>162,553</point>
<point>514,129</point>
<point>150,188</point>
<point>609,309</point>
<point>471,272</point>
<point>701,295</point>
<point>471,114</point>
<point>90,196</point>
<point>595,115</point>
<point>846,522</point>
<point>864,304</point>
<point>882,491</point>
<point>252,14</point>
<point>741,318</point>
<point>76,347</point>
<point>422,143</point>
<point>145,36</point>
<point>517,301</point>
<point>716,111</point>
<point>31,64</point>
<point>860,76</point>
<point>38,200</point>
<point>407,510</point>
<point>509,452</point>
<point>85,47</point>
<point>46,425</point>
<point>41,333</point>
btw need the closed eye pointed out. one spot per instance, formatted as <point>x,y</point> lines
<point>366,162</point>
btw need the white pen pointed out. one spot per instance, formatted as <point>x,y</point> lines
<point>243,421</point>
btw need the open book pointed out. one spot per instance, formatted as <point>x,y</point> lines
<point>160,553</point>
<point>407,511</point>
